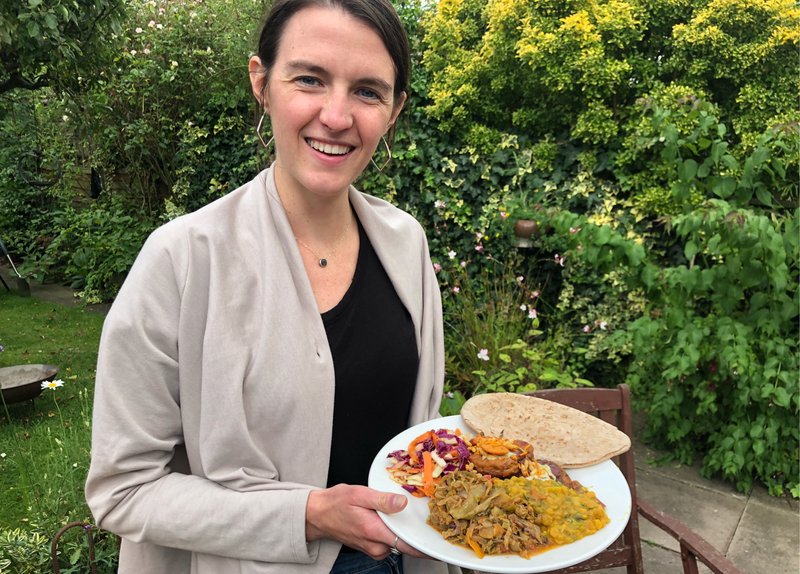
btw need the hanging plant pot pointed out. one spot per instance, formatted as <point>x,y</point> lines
<point>524,232</point>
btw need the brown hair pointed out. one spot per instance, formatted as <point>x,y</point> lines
<point>379,15</point>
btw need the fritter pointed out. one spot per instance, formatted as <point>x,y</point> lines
<point>499,457</point>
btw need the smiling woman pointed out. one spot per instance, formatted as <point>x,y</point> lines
<point>244,359</point>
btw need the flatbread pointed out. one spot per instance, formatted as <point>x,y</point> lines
<point>560,434</point>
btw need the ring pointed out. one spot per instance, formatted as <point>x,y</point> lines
<point>393,548</point>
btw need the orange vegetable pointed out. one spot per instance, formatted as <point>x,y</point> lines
<point>472,544</point>
<point>412,447</point>
<point>427,473</point>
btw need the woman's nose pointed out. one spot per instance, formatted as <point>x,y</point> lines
<point>336,113</point>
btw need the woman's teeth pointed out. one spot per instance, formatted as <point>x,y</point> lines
<point>329,149</point>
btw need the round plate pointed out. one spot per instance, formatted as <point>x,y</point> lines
<point>605,479</point>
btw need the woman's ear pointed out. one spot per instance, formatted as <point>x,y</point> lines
<point>398,107</point>
<point>258,81</point>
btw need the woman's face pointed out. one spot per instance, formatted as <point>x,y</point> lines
<point>330,99</point>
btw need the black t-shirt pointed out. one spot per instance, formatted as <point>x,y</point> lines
<point>375,358</point>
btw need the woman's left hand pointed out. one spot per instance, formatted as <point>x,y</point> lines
<point>347,513</point>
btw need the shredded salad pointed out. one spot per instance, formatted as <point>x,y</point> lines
<point>429,457</point>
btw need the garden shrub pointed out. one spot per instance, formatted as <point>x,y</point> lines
<point>172,120</point>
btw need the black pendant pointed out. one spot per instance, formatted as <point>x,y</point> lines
<point>323,262</point>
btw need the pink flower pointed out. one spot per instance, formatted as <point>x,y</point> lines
<point>437,267</point>
<point>439,204</point>
<point>483,354</point>
<point>574,230</point>
<point>463,264</point>
<point>456,289</point>
<point>535,295</point>
<point>559,260</point>
<point>532,314</point>
<point>587,329</point>
<point>479,248</point>
<point>503,215</point>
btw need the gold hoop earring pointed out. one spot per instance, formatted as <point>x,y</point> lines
<point>258,133</point>
<point>388,153</point>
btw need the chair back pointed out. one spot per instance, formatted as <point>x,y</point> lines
<point>614,407</point>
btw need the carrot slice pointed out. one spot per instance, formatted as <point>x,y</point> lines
<point>427,473</point>
<point>412,446</point>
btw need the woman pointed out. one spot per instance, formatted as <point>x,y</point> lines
<point>265,347</point>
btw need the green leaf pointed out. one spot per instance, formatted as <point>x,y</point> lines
<point>687,170</point>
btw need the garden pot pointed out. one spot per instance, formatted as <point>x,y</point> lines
<point>524,231</point>
<point>24,382</point>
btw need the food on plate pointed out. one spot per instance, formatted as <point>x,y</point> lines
<point>561,434</point>
<point>512,516</point>
<point>501,457</point>
<point>429,457</point>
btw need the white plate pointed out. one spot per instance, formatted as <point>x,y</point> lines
<point>605,479</point>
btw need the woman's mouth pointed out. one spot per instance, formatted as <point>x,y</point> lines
<point>329,149</point>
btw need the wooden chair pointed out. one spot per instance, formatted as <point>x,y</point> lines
<point>614,407</point>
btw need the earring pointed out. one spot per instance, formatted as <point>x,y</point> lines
<point>388,153</point>
<point>258,132</point>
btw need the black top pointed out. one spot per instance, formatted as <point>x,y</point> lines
<point>375,358</point>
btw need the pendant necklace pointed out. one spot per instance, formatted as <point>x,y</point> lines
<point>323,261</point>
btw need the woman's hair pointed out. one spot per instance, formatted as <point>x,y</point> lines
<point>379,15</point>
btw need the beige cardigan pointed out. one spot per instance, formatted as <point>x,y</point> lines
<point>214,396</point>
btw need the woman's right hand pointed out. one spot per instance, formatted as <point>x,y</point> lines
<point>347,513</point>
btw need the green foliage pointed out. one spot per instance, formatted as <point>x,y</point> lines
<point>577,67</point>
<point>716,364</point>
<point>492,334</point>
<point>55,42</point>
<point>171,120</point>
<point>24,552</point>
<point>93,248</point>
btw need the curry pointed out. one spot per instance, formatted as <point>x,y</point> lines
<point>514,515</point>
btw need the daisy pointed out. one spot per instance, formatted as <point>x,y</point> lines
<point>52,385</point>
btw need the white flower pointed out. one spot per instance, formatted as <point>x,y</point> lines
<point>463,264</point>
<point>65,118</point>
<point>523,307</point>
<point>483,354</point>
<point>159,26</point>
<point>452,254</point>
<point>535,295</point>
<point>146,50</point>
<point>151,24</point>
<point>139,30</point>
<point>603,325</point>
<point>439,204</point>
<point>520,279</point>
<point>174,64</point>
<point>2,455</point>
<point>559,260</point>
<point>52,385</point>
<point>133,52</point>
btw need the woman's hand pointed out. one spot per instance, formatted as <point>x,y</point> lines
<point>347,513</point>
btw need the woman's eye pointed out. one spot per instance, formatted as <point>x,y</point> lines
<point>369,94</point>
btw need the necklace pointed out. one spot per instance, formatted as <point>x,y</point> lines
<point>323,261</point>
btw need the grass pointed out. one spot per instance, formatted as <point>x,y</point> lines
<point>44,444</point>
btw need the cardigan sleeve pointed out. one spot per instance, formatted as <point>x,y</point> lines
<point>134,487</point>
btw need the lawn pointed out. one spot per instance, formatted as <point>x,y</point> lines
<point>44,444</point>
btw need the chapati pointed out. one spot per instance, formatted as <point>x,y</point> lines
<point>561,434</point>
